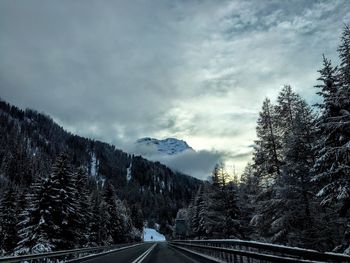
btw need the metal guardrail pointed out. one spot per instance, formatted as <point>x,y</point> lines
<point>66,254</point>
<point>234,250</point>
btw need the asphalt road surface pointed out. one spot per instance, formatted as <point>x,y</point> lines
<point>163,253</point>
<point>147,253</point>
<point>127,255</point>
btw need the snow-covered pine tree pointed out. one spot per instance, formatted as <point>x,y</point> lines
<point>249,181</point>
<point>130,232</point>
<point>268,163</point>
<point>293,224</point>
<point>66,210</point>
<point>137,217</point>
<point>83,196</point>
<point>286,108</point>
<point>248,191</point>
<point>37,229</point>
<point>267,152</point>
<point>329,84</point>
<point>283,206</point>
<point>194,219</point>
<point>8,220</point>
<point>332,166</point>
<point>116,225</point>
<point>214,178</point>
<point>224,204</point>
<point>98,225</point>
<point>233,217</point>
<point>217,215</point>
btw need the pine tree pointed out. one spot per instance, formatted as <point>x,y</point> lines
<point>332,166</point>
<point>84,211</point>
<point>37,229</point>
<point>329,85</point>
<point>99,232</point>
<point>287,105</point>
<point>8,220</point>
<point>233,215</point>
<point>116,223</point>
<point>249,189</point>
<point>333,158</point>
<point>267,156</point>
<point>194,219</point>
<point>294,186</point>
<point>283,207</point>
<point>65,214</point>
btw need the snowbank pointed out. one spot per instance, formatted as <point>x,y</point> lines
<point>150,234</point>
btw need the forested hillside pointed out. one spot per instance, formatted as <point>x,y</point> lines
<point>90,191</point>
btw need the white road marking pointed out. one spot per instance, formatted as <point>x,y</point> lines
<point>145,254</point>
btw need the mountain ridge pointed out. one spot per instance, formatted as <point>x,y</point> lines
<point>169,146</point>
<point>31,141</point>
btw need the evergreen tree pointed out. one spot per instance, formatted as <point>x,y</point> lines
<point>286,110</point>
<point>283,207</point>
<point>137,217</point>
<point>116,223</point>
<point>293,224</point>
<point>195,209</point>
<point>329,85</point>
<point>99,234</point>
<point>233,215</point>
<point>249,189</point>
<point>84,210</point>
<point>65,214</point>
<point>37,229</point>
<point>267,156</point>
<point>8,220</point>
<point>332,166</point>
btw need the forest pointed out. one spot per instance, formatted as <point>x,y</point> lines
<point>296,190</point>
<point>61,191</point>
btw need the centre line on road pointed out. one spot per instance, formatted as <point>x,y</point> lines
<point>145,254</point>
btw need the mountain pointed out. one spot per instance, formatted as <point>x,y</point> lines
<point>30,142</point>
<point>168,146</point>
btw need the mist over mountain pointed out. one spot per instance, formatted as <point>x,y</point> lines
<point>178,155</point>
<point>30,143</point>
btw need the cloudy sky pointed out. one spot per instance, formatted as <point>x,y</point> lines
<point>195,70</point>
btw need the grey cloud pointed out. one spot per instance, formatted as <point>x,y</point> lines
<point>107,62</point>
<point>199,164</point>
<point>198,70</point>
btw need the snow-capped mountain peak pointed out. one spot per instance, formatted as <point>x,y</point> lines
<point>169,146</point>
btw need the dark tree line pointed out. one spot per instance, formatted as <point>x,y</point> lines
<point>296,191</point>
<point>63,210</point>
<point>31,143</point>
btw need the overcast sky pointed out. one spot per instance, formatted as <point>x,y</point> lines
<point>195,70</point>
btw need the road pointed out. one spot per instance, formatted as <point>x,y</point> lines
<point>160,253</point>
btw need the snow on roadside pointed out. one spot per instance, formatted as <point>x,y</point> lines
<point>150,234</point>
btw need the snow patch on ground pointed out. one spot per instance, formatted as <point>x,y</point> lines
<point>128,172</point>
<point>150,234</point>
<point>94,165</point>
